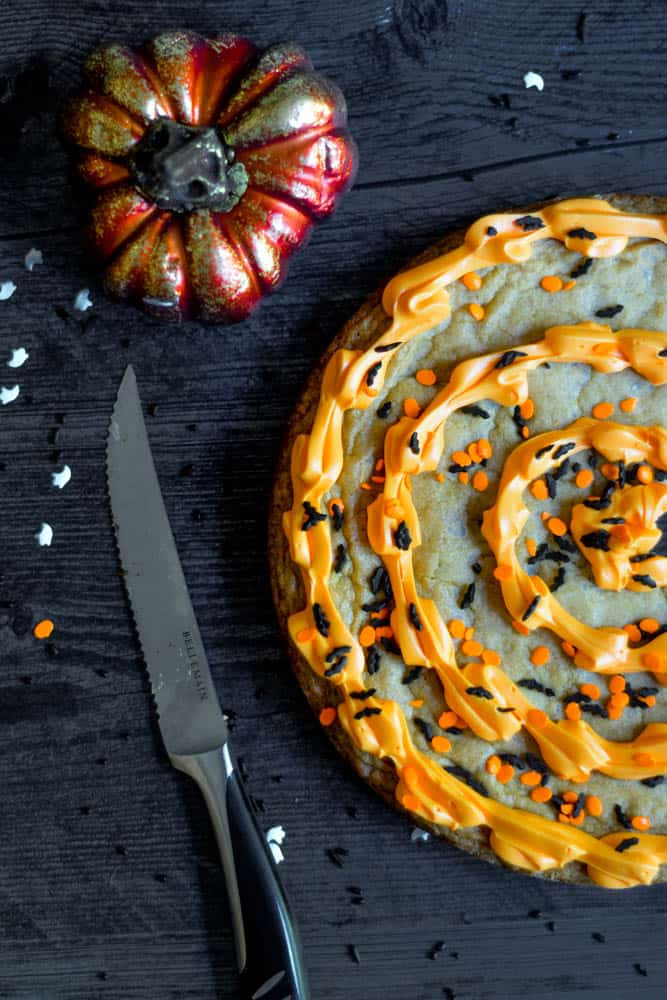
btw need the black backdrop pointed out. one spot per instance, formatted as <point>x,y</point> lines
<point>109,885</point>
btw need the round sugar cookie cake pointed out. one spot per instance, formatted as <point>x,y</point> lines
<point>468,540</point>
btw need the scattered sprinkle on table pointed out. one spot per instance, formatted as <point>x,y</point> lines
<point>43,629</point>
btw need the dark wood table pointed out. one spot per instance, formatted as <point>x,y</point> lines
<point>109,879</point>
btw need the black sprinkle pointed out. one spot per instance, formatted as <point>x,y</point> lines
<point>337,651</point>
<point>529,223</point>
<point>570,74</point>
<point>353,952</point>
<point>625,844</point>
<point>550,925</point>
<point>506,708</point>
<point>475,411</point>
<point>476,567</point>
<point>336,667</point>
<point>530,684</point>
<point>373,373</point>
<point>599,937</point>
<point>578,805</point>
<point>653,782</point>
<point>605,499</point>
<point>639,969</point>
<point>363,695</point>
<point>561,470</point>
<point>578,698</point>
<point>322,623</point>
<point>613,520</point>
<point>594,709</point>
<point>563,449</point>
<point>531,608</point>
<point>609,311</point>
<point>337,516</point>
<point>535,764</point>
<point>582,234</point>
<point>402,537</point>
<point>621,817</point>
<point>596,540</point>
<point>412,675</point>
<point>435,950</point>
<point>559,579</point>
<point>543,451</point>
<point>366,713</point>
<point>557,557</point>
<point>663,353</point>
<point>468,596</point>
<point>391,646</point>
<point>424,728</point>
<point>508,358</point>
<point>491,231</point>
<point>413,615</point>
<point>384,410</point>
<point>581,24</point>
<point>534,914</point>
<point>383,348</point>
<point>313,516</point>
<point>582,268</point>
<point>374,606</point>
<point>479,692</point>
<point>551,485</point>
<point>454,730</point>
<point>516,762</point>
<point>467,778</point>
<point>413,444</point>
<point>372,659</point>
<point>644,578</point>
<point>380,581</point>
<point>340,558</point>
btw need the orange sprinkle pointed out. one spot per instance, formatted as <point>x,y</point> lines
<point>441,744</point>
<point>545,515</point>
<point>365,486</point>
<point>539,656</point>
<point>609,470</point>
<point>577,820</point>
<point>539,489</point>
<point>417,702</point>
<point>379,465</point>
<point>43,629</point>
<point>593,805</point>
<point>569,285</point>
<point>562,818</point>
<point>584,478</point>
<point>384,632</point>
<point>521,628</point>
<point>557,527</point>
<point>502,571</point>
<point>472,648</point>
<point>531,546</point>
<point>616,683</point>
<point>411,407</point>
<point>645,474</point>
<point>463,477</point>
<point>484,448</point>
<point>643,759</point>
<point>447,719</point>
<point>541,794</point>
<point>622,699</point>
<point>537,718</point>
<point>592,690</point>
<point>367,635</point>
<point>634,635</point>
<point>306,634</point>
<point>552,283</point>
<point>493,764</point>
<point>614,711</point>
<point>568,648</point>
<point>648,700</point>
<point>456,628</point>
<point>572,711</point>
<point>473,451</point>
<point>570,797</point>
<point>527,409</point>
<point>327,716</point>
<point>476,311</point>
<point>461,458</point>
<point>469,633</point>
<point>439,476</point>
<point>377,479</point>
<point>525,432</point>
<point>411,802</point>
<point>568,808</point>
<point>480,481</point>
<point>649,625</point>
<point>628,404</point>
<point>641,823</point>
<point>472,281</point>
<point>426,376</point>
<point>505,773</point>
<point>492,658</point>
<point>531,778</point>
<point>602,410</point>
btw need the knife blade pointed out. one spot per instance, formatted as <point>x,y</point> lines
<point>191,721</point>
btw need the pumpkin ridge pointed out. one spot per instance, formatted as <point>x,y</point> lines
<point>282,198</point>
<point>136,232</point>
<point>226,224</point>
<point>155,80</point>
<point>134,279</point>
<point>264,84</point>
<point>232,83</point>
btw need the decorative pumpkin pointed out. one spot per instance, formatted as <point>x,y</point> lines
<point>210,163</point>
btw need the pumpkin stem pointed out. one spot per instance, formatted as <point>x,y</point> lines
<point>184,167</point>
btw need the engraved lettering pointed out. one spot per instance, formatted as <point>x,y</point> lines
<point>191,654</point>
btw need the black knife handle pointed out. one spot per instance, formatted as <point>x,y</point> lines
<point>268,950</point>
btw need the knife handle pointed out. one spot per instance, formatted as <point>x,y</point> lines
<point>268,949</point>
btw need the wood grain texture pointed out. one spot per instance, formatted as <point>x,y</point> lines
<point>109,885</point>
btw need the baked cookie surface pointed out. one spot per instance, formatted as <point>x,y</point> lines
<point>468,540</point>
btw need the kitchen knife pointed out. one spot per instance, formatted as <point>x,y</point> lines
<point>191,722</point>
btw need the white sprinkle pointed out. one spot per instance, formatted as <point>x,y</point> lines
<point>33,257</point>
<point>533,80</point>
<point>7,289</point>
<point>61,479</point>
<point>18,358</point>
<point>419,836</point>
<point>83,300</point>
<point>9,395</point>
<point>45,534</point>
<point>275,836</point>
